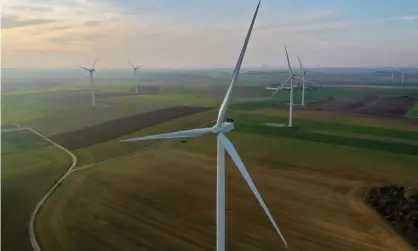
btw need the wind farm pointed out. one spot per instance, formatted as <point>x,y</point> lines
<point>229,156</point>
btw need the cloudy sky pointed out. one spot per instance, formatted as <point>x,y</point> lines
<point>208,33</point>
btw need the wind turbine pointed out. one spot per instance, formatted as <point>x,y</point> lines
<point>291,77</point>
<point>223,143</point>
<point>91,71</point>
<point>135,69</point>
<point>402,75</point>
<point>303,81</point>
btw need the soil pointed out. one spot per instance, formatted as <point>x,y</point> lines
<point>113,129</point>
<point>399,206</point>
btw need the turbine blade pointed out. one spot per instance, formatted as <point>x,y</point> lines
<point>274,93</point>
<point>95,62</point>
<point>131,64</point>
<point>288,62</point>
<point>301,67</point>
<point>241,167</point>
<point>174,135</point>
<point>224,107</point>
<point>83,68</point>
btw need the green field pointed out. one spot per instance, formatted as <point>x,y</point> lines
<point>30,166</point>
<point>414,111</point>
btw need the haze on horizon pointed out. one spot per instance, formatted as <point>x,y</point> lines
<point>208,34</point>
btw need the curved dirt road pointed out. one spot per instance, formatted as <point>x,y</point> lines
<point>32,217</point>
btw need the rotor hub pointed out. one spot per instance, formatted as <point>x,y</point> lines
<point>223,128</point>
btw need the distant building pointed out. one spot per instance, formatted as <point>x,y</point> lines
<point>147,89</point>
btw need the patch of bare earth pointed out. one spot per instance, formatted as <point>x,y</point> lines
<point>116,128</point>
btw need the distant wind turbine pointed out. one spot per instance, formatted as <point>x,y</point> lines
<point>402,75</point>
<point>219,129</point>
<point>291,77</point>
<point>303,81</point>
<point>91,71</point>
<point>135,69</point>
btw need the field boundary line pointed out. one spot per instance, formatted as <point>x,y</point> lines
<point>32,217</point>
<point>17,129</point>
<point>117,158</point>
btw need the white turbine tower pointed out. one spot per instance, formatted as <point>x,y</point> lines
<point>402,75</point>
<point>91,71</point>
<point>135,69</point>
<point>291,77</point>
<point>303,81</point>
<point>219,129</point>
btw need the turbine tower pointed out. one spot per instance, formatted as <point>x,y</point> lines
<point>402,75</point>
<point>135,69</point>
<point>223,143</point>
<point>291,77</point>
<point>303,82</point>
<point>91,71</point>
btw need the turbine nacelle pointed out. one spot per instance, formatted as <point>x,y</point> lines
<point>223,128</point>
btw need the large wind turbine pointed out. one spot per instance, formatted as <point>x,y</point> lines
<point>219,129</point>
<point>135,69</point>
<point>91,71</point>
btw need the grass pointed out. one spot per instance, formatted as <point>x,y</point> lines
<point>358,142</point>
<point>308,125</point>
<point>29,167</point>
<point>20,141</point>
<point>366,120</point>
<point>413,112</point>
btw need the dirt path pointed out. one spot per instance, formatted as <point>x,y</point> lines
<point>32,217</point>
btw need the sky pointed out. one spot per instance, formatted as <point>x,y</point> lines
<point>208,34</point>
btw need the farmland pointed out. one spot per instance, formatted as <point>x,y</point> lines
<point>30,165</point>
<point>139,201</point>
<point>312,176</point>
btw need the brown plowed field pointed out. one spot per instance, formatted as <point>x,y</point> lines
<point>117,128</point>
<point>166,200</point>
<point>368,104</point>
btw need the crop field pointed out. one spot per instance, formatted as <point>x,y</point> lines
<point>30,165</point>
<point>160,195</point>
<point>358,100</point>
<point>368,104</point>
<point>413,112</point>
<point>165,196</point>
<point>117,128</point>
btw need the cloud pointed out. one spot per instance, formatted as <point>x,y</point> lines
<point>410,18</point>
<point>76,38</point>
<point>32,8</point>
<point>92,23</point>
<point>10,21</point>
